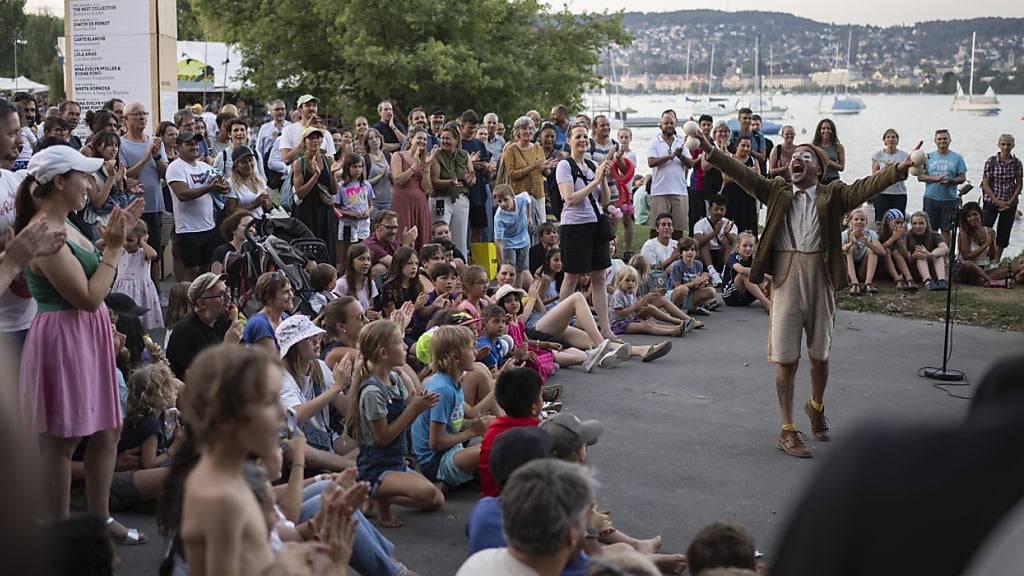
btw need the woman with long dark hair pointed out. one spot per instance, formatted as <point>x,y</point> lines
<point>826,138</point>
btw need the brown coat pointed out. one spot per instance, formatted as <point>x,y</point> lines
<point>833,200</point>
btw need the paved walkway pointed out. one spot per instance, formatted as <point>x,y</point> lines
<point>690,439</point>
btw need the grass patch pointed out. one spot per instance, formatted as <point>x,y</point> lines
<point>988,307</point>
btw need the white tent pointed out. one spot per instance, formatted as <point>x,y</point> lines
<point>21,84</point>
<point>212,57</point>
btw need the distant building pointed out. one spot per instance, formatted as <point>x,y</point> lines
<point>837,76</point>
<point>784,81</point>
<point>674,82</point>
<point>636,81</point>
<point>737,82</point>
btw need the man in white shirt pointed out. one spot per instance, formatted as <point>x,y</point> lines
<point>669,160</point>
<point>269,131</point>
<point>291,135</point>
<point>715,234</point>
<point>544,508</point>
<point>192,185</point>
<point>661,251</point>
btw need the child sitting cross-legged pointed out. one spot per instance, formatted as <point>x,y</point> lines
<point>738,289</point>
<point>691,285</point>
<point>634,315</point>
<point>381,409</point>
<point>439,433</point>
<point>862,250</point>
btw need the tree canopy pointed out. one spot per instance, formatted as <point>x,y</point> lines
<point>506,56</point>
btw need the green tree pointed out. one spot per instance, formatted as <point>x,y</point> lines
<point>12,23</point>
<point>506,56</point>
<point>191,26</point>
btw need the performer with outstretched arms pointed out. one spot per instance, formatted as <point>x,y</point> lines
<point>801,248</point>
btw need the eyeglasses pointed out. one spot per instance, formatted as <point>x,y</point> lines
<point>223,295</point>
<point>140,114</point>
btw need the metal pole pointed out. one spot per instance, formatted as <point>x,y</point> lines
<point>15,65</point>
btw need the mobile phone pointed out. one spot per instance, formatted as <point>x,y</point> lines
<point>439,207</point>
<point>291,423</point>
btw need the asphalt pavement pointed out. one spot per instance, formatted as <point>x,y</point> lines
<point>690,439</point>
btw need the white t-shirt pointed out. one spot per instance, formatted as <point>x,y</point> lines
<point>655,253</point>
<point>28,144</point>
<point>292,395</point>
<point>191,215</point>
<point>17,307</point>
<point>670,177</point>
<point>291,138</point>
<point>495,562</point>
<point>704,226</point>
<point>244,195</point>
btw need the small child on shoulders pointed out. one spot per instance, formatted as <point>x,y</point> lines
<point>738,289</point>
<point>691,284</point>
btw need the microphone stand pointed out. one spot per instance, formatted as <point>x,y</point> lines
<point>946,374</point>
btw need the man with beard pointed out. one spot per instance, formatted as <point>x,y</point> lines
<point>392,131</point>
<point>208,324</point>
<point>383,240</point>
<point>71,112</point>
<point>270,131</point>
<point>801,248</point>
<point>669,160</point>
<point>418,119</point>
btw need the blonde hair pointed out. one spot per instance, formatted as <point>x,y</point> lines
<point>741,236</point>
<point>373,338</point>
<point>223,383</point>
<point>857,211</point>
<point>151,389</point>
<point>640,266</point>
<point>626,272</point>
<point>446,346</point>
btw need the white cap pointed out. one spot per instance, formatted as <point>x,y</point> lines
<point>56,160</point>
<point>295,329</point>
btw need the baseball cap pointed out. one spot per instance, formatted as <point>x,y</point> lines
<point>295,329</point>
<point>200,285</point>
<point>124,305</point>
<point>516,447</point>
<point>570,433</point>
<point>51,162</point>
<point>311,129</point>
<point>240,153</point>
<point>197,107</point>
<point>306,98</point>
<point>187,136</point>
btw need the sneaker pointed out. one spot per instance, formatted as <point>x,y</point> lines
<point>931,285</point>
<point>819,424</point>
<point>700,311</point>
<point>943,284</point>
<point>792,442</point>
<point>616,357</point>
<point>552,407</point>
<point>719,299</point>
<point>716,278</point>
<point>594,355</point>
<point>689,325</point>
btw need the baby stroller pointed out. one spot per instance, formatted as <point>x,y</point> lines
<point>265,251</point>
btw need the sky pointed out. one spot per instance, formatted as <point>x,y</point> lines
<point>876,12</point>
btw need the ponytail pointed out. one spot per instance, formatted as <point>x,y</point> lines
<point>373,338</point>
<point>25,203</point>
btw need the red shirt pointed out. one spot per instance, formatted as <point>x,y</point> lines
<point>488,487</point>
<point>698,172</point>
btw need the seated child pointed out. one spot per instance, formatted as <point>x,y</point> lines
<point>721,545</point>
<point>380,411</point>
<point>691,285</point>
<point>518,392</point>
<point>357,282</point>
<point>656,282</point>
<point>151,390</point>
<point>494,345</point>
<point>862,249</point>
<point>322,279</point>
<point>737,289</point>
<point>631,315</point>
<point>438,434</point>
<point>548,233</point>
<point>715,234</point>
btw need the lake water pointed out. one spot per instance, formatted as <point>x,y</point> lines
<point>915,117</point>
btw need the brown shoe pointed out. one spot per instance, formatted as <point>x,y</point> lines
<point>792,442</point>
<point>819,424</point>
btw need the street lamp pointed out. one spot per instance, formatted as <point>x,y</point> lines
<point>17,43</point>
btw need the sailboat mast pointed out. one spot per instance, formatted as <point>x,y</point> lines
<point>757,72</point>
<point>849,42</point>
<point>711,71</point>
<point>688,42</point>
<point>970,89</point>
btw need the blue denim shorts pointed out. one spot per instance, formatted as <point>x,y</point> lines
<point>448,472</point>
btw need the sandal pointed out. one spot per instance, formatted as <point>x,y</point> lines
<point>657,351</point>
<point>131,537</point>
<point>911,286</point>
<point>901,286</point>
<point>552,392</point>
<point>870,289</point>
<point>855,289</point>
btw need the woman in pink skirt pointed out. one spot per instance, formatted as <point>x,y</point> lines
<point>68,385</point>
<point>410,175</point>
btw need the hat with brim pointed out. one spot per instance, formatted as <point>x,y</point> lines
<point>51,162</point>
<point>310,130</point>
<point>505,290</point>
<point>570,433</point>
<point>307,98</point>
<point>187,136</point>
<point>124,305</point>
<point>295,329</point>
<point>202,284</point>
<point>241,153</point>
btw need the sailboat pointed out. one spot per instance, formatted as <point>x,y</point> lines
<point>842,104</point>
<point>761,103</point>
<point>984,105</point>
<point>715,107</point>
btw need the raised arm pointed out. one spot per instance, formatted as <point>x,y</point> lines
<point>751,181</point>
